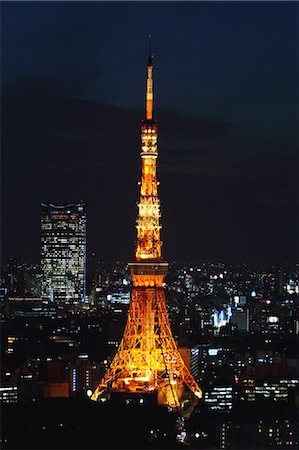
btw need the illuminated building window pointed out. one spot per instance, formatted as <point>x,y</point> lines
<point>74,380</point>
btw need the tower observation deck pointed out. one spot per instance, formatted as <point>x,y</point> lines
<point>147,360</point>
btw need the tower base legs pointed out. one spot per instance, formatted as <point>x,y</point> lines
<point>147,360</point>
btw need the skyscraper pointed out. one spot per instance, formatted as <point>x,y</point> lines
<point>147,360</point>
<point>63,252</point>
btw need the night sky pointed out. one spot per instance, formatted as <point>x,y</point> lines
<point>73,82</point>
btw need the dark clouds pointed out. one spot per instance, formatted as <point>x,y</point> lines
<point>73,92</point>
<point>214,203</point>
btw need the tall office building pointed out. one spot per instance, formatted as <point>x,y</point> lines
<point>63,252</point>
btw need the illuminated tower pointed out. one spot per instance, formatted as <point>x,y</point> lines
<point>147,360</point>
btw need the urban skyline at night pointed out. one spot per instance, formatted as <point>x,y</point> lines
<point>226,104</point>
<point>136,314</point>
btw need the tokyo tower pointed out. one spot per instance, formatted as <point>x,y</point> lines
<point>147,360</point>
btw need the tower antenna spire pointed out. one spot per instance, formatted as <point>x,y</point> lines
<point>150,55</point>
<point>149,84</point>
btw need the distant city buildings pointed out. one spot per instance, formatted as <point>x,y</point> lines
<point>246,363</point>
<point>63,253</point>
<point>219,398</point>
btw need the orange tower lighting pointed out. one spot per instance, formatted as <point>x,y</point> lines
<point>147,359</point>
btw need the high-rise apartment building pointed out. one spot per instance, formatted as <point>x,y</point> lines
<point>63,252</point>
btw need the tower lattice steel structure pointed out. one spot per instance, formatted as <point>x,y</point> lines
<point>147,359</point>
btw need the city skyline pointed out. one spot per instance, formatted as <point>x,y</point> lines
<point>179,320</point>
<point>229,139</point>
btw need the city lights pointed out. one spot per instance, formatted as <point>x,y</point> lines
<point>135,314</point>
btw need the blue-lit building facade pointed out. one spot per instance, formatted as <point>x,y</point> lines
<point>63,253</point>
